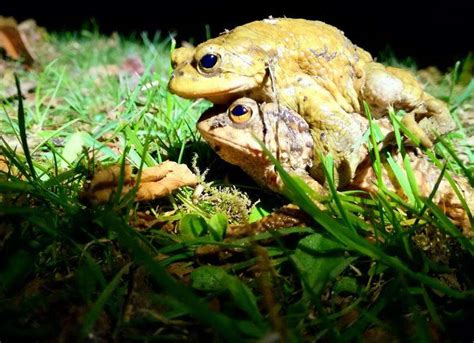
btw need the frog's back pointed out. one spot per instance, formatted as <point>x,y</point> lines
<point>297,34</point>
<point>305,55</point>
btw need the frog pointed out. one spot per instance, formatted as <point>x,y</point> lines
<point>311,68</point>
<point>239,133</point>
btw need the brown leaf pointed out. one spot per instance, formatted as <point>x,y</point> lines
<point>4,166</point>
<point>7,168</point>
<point>161,180</point>
<point>180,269</point>
<point>110,177</point>
<point>12,41</point>
<point>156,182</point>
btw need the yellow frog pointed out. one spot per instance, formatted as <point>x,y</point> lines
<point>311,68</point>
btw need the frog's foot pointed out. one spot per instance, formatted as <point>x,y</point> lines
<point>433,117</point>
<point>410,123</point>
<point>386,87</point>
<point>426,175</point>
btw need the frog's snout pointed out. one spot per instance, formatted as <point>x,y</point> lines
<point>182,55</point>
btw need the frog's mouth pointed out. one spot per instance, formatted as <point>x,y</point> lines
<point>221,88</point>
<point>219,143</point>
<point>216,96</point>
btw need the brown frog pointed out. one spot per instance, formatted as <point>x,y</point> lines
<point>313,69</point>
<point>233,134</point>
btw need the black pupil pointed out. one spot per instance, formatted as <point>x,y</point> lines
<point>208,61</point>
<point>239,110</point>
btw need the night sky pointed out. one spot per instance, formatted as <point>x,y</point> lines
<point>432,32</point>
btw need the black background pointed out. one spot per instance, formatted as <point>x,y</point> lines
<point>432,32</point>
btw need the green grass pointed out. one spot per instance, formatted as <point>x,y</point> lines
<point>368,266</point>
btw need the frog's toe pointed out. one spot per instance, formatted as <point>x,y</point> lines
<point>410,123</point>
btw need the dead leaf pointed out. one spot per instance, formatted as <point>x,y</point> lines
<point>156,182</point>
<point>8,169</point>
<point>163,179</point>
<point>180,269</point>
<point>110,176</point>
<point>13,42</point>
<point>4,166</point>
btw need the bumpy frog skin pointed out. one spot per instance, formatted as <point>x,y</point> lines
<point>313,69</point>
<point>284,134</point>
<point>233,134</point>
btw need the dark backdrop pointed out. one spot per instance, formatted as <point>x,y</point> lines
<point>432,32</point>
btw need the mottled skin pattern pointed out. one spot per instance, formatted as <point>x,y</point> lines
<point>426,174</point>
<point>285,135</point>
<point>289,139</point>
<point>313,69</point>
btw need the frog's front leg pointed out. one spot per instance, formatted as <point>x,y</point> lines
<point>336,133</point>
<point>385,87</point>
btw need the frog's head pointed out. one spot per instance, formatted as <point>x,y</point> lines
<point>219,69</point>
<point>235,134</point>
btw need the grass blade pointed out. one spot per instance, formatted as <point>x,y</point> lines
<point>181,293</point>
<point>353,241</point>
<point>93,315</point>
<point>22,128</point>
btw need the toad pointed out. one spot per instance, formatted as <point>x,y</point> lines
<point>235,132</point>
<point>311,68</point>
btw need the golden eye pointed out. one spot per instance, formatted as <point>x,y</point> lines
<point>240,113</point>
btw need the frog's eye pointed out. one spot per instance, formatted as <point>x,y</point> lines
<point>208,61</point>
<point>240,113</point>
